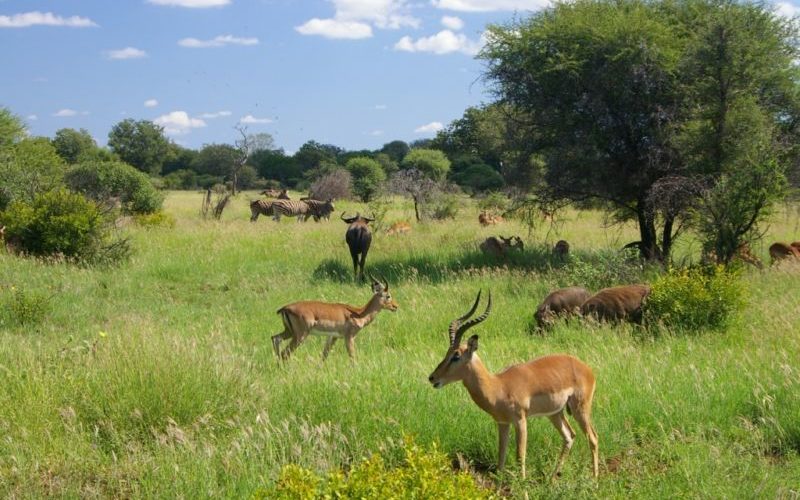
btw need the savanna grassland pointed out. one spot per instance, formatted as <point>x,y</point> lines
<point>157,378</point>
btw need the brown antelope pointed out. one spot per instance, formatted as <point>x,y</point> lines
<point>796,244</point>
<point>561,302</point>
<point>486,219</point>
<point>499,246</point>
<point>561,249</point>
<point>779,251</point>
<point>401,227</point>
<point>541,387</point>
<point>359,239</point>
<point>617,303</point>
<point>333,320</point>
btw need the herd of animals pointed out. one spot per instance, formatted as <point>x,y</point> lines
<point>546,386</point>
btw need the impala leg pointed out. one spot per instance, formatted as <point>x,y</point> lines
<point>328,345</point>
<point>350,344</point>
<point>276,341</point>
<point>521,429</point>
<point>583,414</point>
<point>502,433</point>
<point>290,348</point>
<point>567,434</point>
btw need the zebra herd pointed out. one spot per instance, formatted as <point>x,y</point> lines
<point>301,209</point>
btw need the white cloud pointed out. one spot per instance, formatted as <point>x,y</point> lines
<point>489,5</point>
<point>430,128</point>
<point>252,119</point>
<point>65,112</point>
<point>376,133</point>
<point>218,114</point>
<point>444,42</point>
<point>334,28</point>
<point>787,9</point>
<point>381,107</point>
<point>126,53</point>
<point>353,19</point>
<point>217,41</point>
<point>452,23</point>
<point>37,18</point>
<point>32,117</point>
<point>150,103</point>
<point>192,4</point>
<point>178,123</point>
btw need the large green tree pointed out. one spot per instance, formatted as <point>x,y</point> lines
<point>217,159</point>
<point>11,128</point>
<point>140,143</point>
<point>431,162</point>
<point>73,145</point>
<point>29,167</point>
<point>368,176</point>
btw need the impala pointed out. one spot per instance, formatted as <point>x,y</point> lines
<point>543,387</point>
<point>333,320</point>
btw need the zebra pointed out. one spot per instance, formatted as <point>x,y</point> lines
<point>290,208</point>
<point>319,209</point>
<point>260,207</point>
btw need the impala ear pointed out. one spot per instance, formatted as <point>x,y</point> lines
<point>472,344</point>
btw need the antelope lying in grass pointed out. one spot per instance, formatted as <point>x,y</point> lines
<point>333,320</point>
<point>399,228</point>
<point>486,219</point>
<point>498,246</point>
<point>545,386</point>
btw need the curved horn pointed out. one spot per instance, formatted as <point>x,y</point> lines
<point>342,216</point>
<point>370,220</point>
<point>456,323</point>
<point>385,283</point>
<point>374,281</point>
<point>474,321</point>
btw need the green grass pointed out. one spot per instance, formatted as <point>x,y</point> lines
<point>157,378</point>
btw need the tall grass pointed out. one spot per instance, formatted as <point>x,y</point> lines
<point>157,378</point>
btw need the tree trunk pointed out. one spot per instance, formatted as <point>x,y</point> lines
<point>667,237</point>
<point>648,246</point>
<point>416,209</point>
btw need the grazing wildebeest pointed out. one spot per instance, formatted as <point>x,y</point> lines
<point>617,303</point>
<point>562,302</point>
<point>358,238</point>
<point>561,249</point>
<point>780,250</point>
<point>498,246</point>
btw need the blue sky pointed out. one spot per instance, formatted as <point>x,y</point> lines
<point>355,73</point>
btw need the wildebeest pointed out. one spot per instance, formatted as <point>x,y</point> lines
<point>260,207</point>
<point>617,303</point>
<point>399,228</point>
<point>358,238</point>
<point>561,249</point>
<point>561,302</point>
<point>319,209</point>
<point>780,250</point>
<point>485,218</point>
<point>498,246</point>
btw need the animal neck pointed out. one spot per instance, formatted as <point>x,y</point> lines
<point>371,308</point>
<point>481,385</point>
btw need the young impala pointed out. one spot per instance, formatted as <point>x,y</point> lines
<point>543,387</point>
<point>332,320</point>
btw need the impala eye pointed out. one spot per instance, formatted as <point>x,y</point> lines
<point>455,358</point>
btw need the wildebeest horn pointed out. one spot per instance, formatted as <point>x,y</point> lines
<point>342,216</point>
<point>457,322</point>
<point>474,321</point>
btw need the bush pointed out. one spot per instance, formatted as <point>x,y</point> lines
<point>494,202</point>
<point>695,298</point>
<point>25,308</point>
<point>368,176</point>
<point>61,222</point>
<point>479,178</point>
<point>104,180</point>
<point>180,179</point>
<point>29,167</point>
<point>424,473</point>
<point>602,269</point>
<point>156,219</point>
<point>337,185</point>
<point>445,206</point>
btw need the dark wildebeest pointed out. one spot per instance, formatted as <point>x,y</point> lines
<point>358,238</point>
<point>779,251</point>
<point>617,303</point>
<point>562,302</point>
<point>561,249</point>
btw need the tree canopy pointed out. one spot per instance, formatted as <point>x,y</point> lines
<point>139,143</point>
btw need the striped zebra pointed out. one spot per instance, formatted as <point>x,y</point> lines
<point>290,208</point>
<point>319,209</point>
<point>260,207</point>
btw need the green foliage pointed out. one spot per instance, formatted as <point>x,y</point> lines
<point>602,269</point>
<point>139,143</point>
<point>444,206</point>
<point>423,473</point>
<point>368,176</point>
<point>494,202</point>
<point>61,223</point>
<point>698,298</point>
<point>104,180</point>
<point>28,167</point>
<point>479,178</point>
<point>24,308</point>
<point>275,165</point>
<point>181,179</point>
<point>396,150</point>
<point>216,159</point>
<point>155,219</point>
<point>12,129</point>
<point>431,162</point>
<point>74,145</point>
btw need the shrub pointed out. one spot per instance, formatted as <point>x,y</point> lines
<point>180,179</point>
<point>479,178</point>
<point>25,308</point>
<point>61,222</point>
<point>445,206</point>
<point>424,473</point>
<point>494,202</point>
<point>368,176</point>
<point>156,219</point>
<point>336,185</point>
<point>695,298</point>
<point>28,167</point>
<point>602,269</point>
<point>104,180</point>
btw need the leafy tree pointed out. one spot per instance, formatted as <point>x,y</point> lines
<point>312,153</point>
<point>103,181</point>
<point>415,185</point>
<point>217,159</point>
<point>12,129</point>
<point>396,150</point>
<point>139,143</point>
<point>367,176</point>
<point>389,165</point>
<point>28,167</point>
<point>479,177</point>
<point>276,165</point>
<point>431,162</point>
<point>73,145</point>
<point>178,158</point>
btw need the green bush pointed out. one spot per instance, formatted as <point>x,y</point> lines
<point>104,180</point>
<point>424,473</point>
<point>695,298</point>
<point>479,178</point>
<point>63,223</point>
<point>368,176</point>
<point>25,308</point>
<point>445,206</point>
<point>156,219</point>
